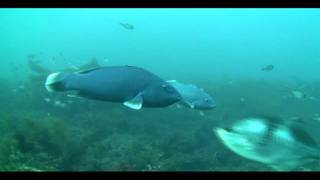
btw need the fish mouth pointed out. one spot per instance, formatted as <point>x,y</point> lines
<point>212,106</point>
<point>207,107</point>
<point>233,140</point>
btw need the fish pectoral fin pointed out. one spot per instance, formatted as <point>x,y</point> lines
<point>135,103</point>
<point>178,105</point>
<point>82,95</point>
<point>191,105</point>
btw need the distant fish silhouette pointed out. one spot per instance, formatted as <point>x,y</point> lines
<point>268,68</point>
<point>31,56</point>
<point>93,63</point>
<point>35,66</point>
<point>15,68</point>
<point>127,26</point>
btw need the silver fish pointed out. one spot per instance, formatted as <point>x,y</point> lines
<point>270,141</point>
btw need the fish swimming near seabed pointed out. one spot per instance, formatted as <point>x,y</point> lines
<point>269,67</point>
<point>35,66</point>
<point>127,26</point>
<point>270,141</point>
<point>93,63</point>
<point>193,96</point>
<point>135,87</point>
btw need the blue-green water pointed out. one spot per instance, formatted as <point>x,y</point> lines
<point>220,50</point>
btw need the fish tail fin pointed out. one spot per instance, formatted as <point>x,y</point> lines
<point>56,82</point>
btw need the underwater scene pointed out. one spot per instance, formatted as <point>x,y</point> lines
<point>159,89</point>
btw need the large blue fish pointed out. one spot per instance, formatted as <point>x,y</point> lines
<point>133,86</point>
<point>193,96</point>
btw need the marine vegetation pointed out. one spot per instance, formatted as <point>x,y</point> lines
<point>60,132</point>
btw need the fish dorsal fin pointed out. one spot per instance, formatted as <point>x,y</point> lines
<point>87,70</point>
<point>134,103</point>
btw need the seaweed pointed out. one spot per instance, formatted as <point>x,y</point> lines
<point>89,135</point>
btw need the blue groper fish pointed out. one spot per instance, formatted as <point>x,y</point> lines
<point>133,86</point>
<point>193,96</point>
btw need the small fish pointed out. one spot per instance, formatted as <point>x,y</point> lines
<point>47,99</point>
<point>271,141</point>
<point>298,94</point>
<point>268,68</point>
<point>28,168</point>
<point>93,63</point>
<point>15,69</point>
<point>316,117</point>
<point>127,26</point>
<point>135,87</point>
<point>59,104</point>
<point>106,60</point>
<point>312,97</point>
<point>72,96</point>
<point>36,67</point>
<point>21,87</point>
<point>31,56</point>
<point>193,96</point>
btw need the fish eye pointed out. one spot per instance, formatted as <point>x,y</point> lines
<point>167,87</point>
